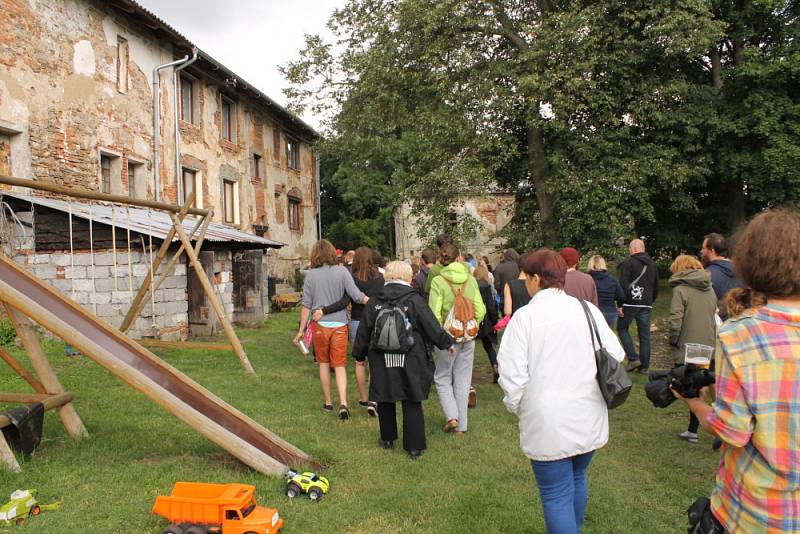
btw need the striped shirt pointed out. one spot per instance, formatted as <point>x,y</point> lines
<point>757,415</point>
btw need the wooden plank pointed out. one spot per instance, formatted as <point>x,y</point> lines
<point>21,371</point>
<point>159,344</point>
<point>198,244</point>
<point>51,187</point>
<point>69,417</point>
<point>138,300</point>
<point>49,401</point>
<point>212,297</point>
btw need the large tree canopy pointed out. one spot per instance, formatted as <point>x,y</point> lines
<point>608,119</point>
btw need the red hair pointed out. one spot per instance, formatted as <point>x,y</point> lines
<point>549,265</point>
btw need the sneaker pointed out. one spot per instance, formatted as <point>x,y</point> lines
<point>691,437</point>
<point>344,412</point>
<point>327,407</point>
<point>451,425</point>
<point>632,365</point>
<point>414,454</point>
<point>472,400</point>
<point>384,444</point>
<point>371,406</point>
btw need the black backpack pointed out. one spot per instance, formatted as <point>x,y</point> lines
<point>392,332</point>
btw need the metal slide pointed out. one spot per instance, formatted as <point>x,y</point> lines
<point>167,386</point>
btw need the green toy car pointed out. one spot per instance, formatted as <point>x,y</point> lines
<point>307,482</point>
<point>21,505</point>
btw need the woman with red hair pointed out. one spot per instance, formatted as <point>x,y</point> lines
<point>548,373</point>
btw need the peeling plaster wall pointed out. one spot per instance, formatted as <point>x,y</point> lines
<point>60,100</point>
<point>494,212</point>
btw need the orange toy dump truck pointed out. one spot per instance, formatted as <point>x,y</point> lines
<point>196,508</point>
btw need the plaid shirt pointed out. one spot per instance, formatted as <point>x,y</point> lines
<point>757,415</point>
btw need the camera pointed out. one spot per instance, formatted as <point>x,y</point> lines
<point>686,379</point>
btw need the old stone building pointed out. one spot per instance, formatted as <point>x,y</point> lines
<point>493,211</point>
<point>77,108</point>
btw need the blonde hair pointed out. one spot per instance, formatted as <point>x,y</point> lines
<point>398,270</point>
<point>481,272</point>
<point>597,263</point>
<point>684,262</point>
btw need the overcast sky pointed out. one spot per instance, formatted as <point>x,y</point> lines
<point>250,37</point>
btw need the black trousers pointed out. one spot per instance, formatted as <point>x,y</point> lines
<point>694,422</point>
<point>413,424</point>
<point>488,346</point>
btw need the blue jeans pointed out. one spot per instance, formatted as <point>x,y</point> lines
<point>563,491</point>
<point>611,318</point>
<point>642,318</point>
<point>353,330</point>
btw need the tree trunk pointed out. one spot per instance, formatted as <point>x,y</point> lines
<point>537,165</point>
<point>716,68</point>
<point>736,206</point>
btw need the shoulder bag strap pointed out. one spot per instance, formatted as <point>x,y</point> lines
<point>593,332</point>
<point>644,270</point>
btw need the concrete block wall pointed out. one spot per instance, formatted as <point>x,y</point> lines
<point>107,291</point>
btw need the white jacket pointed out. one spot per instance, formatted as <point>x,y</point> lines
<point>548,373</point>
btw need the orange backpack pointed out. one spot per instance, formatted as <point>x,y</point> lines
<point>460,322</point>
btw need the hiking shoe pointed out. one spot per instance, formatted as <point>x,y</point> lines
<point>386,444</point>
<point>327,407</point>
<point>371,406</point>
<point>344,412</point>
<point>632,365</point>
<point>691,437</point>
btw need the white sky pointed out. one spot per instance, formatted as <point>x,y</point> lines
<point>250,37</point>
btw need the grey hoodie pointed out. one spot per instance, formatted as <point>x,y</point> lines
<point>506,270</point>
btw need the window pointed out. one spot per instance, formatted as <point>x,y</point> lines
<point>105,174</point>
<point>189,182</point>
<point>122,64</point>
<point>228,119</point>
<point>256,168</point>
<point>5,154</point>
<point>294,213</point>
<point>189,100</point>
<point>229,201</point>
<point>293,154</point>
<point>276,143</point>
<point>136,184</point>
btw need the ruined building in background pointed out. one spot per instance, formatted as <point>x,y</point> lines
<point>76,108</point>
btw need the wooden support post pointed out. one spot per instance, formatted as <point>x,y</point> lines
<point>21,371</point>
<point>138,300</point>
<point>203,225</point>
<point>69,417</point>
<point>212,297</point>
<point>7,456</point>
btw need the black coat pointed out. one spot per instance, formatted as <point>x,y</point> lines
<point>413,380</point>
<point>487,326</point>
<point>646,290</point>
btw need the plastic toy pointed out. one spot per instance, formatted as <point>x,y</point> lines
<point>23,505</point>
<point>197,508</point>
<point>307,482</point>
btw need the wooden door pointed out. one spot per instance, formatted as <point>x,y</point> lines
<point>247,286</point>
<point>202,320</point>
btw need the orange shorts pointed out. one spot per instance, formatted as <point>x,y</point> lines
<point>330,345</point>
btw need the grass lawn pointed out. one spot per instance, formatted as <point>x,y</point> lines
<point>641,482</point>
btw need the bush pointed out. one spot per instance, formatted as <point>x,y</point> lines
<point>297,280</point>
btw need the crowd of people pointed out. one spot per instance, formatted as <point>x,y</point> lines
<point>415,324</point>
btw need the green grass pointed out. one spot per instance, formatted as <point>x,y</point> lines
<point>642,481</point>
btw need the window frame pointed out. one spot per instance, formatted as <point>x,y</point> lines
<point>135,165</point>
<point>123,64</point>
<point>230,124</point>
<point>293,213</point>
<point>225,216</point>
<point>194,104</point>
<point>293,155</point>
<point>193,172</point>
<point>257,162</point>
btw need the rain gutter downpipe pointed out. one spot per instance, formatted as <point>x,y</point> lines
<point>157,122</point>
<point>319,197</point>
<point>176,95</point>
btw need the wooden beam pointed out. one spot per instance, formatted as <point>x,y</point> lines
<point>212,297</point>
<point>51,187</point>
<point>21,371</point>
<point>48,401</point>
<point>203,225</point>
<point>159,344</point>
<point>7,456</point>
<point>69,417</point>
<point>138,300</point>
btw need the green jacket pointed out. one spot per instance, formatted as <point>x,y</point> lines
<point>441,298</point>
<point>693,309</point>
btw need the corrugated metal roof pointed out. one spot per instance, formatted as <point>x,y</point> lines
<point>144,221</point>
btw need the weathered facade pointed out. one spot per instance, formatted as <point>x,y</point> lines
<point>76,107</point>
<point>494,211</point>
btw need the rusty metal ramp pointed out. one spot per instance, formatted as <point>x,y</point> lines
<point>142,370</point>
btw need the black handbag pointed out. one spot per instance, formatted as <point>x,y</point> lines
<point>611,377</point>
